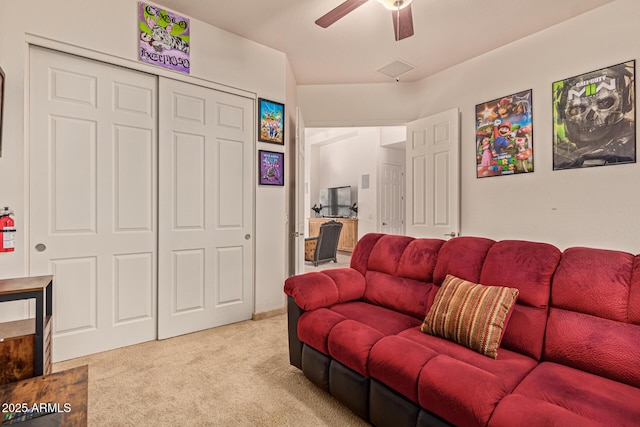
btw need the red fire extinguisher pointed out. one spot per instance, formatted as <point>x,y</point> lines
<point>8,229</point>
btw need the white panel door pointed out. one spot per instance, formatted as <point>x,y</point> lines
<point>392,198</point>
<point>205,251</point>
<point>93,204</point>
<point>299,196</point>
<point>433,176</point>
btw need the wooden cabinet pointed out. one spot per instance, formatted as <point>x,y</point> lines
<point>348,235</point>
<point>25,345</point>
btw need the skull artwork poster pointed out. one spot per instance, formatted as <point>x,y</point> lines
<point>594,118</point>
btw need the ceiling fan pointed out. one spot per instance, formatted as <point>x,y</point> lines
<point>400,11</point>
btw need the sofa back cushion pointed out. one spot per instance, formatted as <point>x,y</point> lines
<point>362,251</point>
<point>529,267</point>
<point>462,257</point>
<point>594,319</point>
<point>399,273</point>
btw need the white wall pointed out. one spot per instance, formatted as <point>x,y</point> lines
<point>592,207</point>
<point>107,30</point>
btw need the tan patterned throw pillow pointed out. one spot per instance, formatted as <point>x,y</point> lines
<point>470,314</point>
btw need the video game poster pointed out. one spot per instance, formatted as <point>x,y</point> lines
<point>594,118</point>
<point>164,38</point>
<point>504,135</point>
<point>271,168</point>
<point>270,121</point>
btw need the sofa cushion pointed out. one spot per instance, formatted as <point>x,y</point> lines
<point>601,346</point>
<point>557,395</point>
<point>399,273</point>
<point>350,341</point>
<point>418,259</point>
<point>471,314</point>
<point>462,257</point>
<point>388,322</point>
<point>314,327</point>
<point>362,251</point>
<point>403,295</point>
<point>594,281</point>
<point>397,361</point>
<point>385,255</point>
<point>405,361</point>
<point>460,384</point>
<point>591,323</point>
<point>528,266</point>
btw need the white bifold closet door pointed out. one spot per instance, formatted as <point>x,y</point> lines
<point>93,200</point>
<point>140,203</point>
<point>206,158</point>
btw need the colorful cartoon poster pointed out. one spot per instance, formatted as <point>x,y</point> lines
<point>594,118</point>
<point>164,38</point>
<point>271,168</point>
<point>504,135</point>
<point>271,120</point>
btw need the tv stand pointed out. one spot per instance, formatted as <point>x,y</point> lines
<point>348,235</point>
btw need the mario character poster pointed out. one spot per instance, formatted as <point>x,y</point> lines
<point>504,136</point>
<point>271,168</point>
<point>164,38</point>
<point>271,120</point>
<point>594,118</point>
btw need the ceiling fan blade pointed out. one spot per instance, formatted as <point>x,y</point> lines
<point>405,22</point>
<point>340,11</point>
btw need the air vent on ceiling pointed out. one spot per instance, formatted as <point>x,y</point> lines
<point>395,69</point>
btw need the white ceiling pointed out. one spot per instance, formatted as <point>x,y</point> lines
<point>447,32</point>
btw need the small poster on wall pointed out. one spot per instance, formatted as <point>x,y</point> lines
<point>271,121</point>
<point>504,136</point>
<point>594,118</point>
<point>164,38</point>
<point>271,168</point>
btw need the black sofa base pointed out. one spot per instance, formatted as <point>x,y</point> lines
<point>370,399</point>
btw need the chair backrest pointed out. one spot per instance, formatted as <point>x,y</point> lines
<point>328,240</point>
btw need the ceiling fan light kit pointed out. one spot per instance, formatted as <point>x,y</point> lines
<point>395,4</point>
<point>400,10</point>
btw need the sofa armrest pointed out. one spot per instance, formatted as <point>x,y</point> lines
<point>325,288</point>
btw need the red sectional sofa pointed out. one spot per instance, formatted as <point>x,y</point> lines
<point>569,355</point>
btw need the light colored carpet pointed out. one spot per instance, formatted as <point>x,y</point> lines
<point>234,375</point>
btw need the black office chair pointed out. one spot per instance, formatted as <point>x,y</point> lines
<point>323,248</point>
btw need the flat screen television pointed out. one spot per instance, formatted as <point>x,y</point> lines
<point>335,202</point>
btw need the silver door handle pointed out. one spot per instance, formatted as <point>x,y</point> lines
<point>41,247</point>
<point>452,234</point>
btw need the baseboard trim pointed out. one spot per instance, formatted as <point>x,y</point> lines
<point>270,313</point>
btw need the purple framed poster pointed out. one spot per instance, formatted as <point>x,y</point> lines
<point>271,168</point>
<point>164,38</point>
